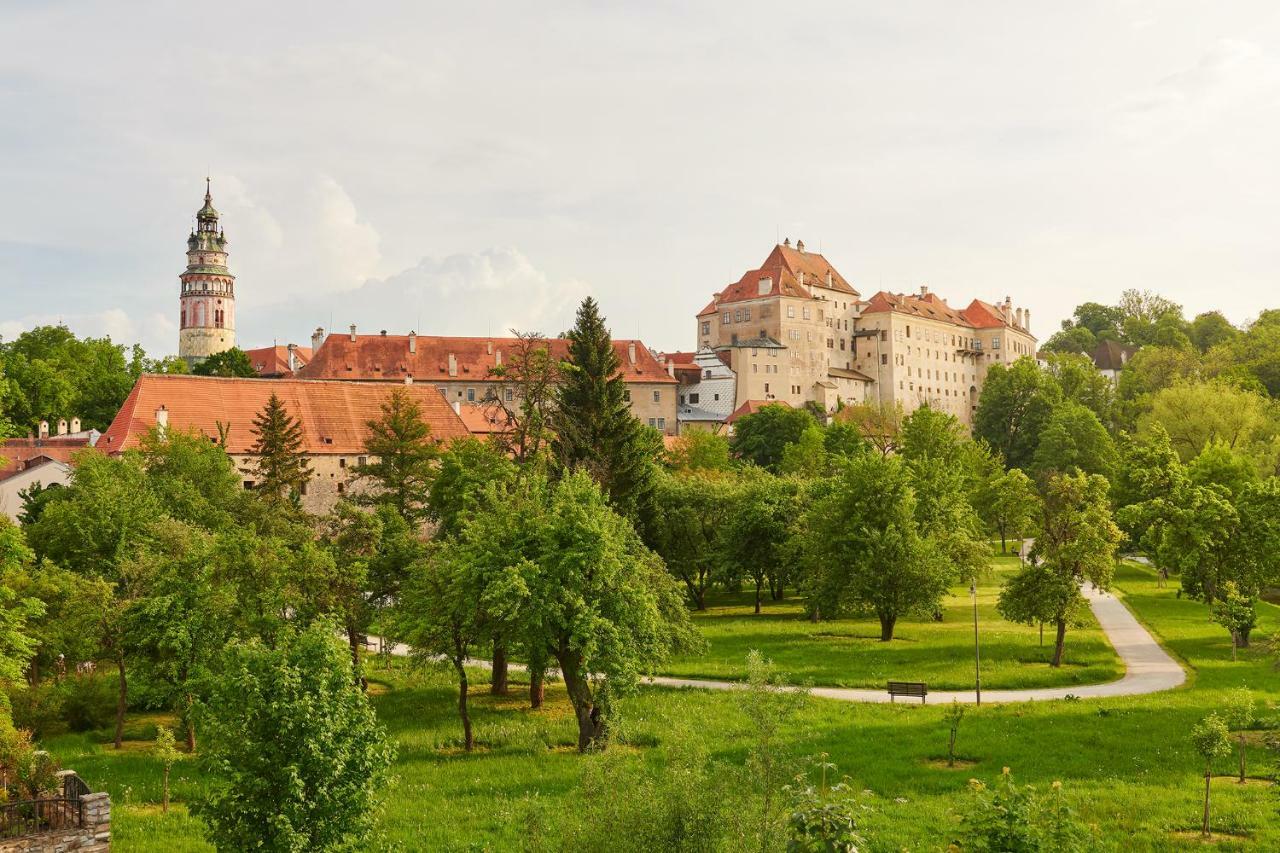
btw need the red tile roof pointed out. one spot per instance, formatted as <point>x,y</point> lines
<point>750,407</point>
<point>930,306</point>
<point>274,361</point>
<point>984,315</point>
<point>17,454</point>
<point>484,420</point>
<point>387,358</point>
<point>783,269</point>
<point>333,414</point>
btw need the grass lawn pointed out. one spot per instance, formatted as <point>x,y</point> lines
<point>848,652</point>
<point>1126,764</point>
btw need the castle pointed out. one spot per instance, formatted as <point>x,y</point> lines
<point>207,323</point>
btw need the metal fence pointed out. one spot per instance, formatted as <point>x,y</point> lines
<point>31,817</point>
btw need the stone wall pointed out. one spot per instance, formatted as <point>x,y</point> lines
<point>93,837</point>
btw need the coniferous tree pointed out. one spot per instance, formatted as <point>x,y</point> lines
<point>593,425</point>
<point>403,458</point>
<point>282,468</point>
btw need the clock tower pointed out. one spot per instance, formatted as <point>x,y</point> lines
<point>207,323</point>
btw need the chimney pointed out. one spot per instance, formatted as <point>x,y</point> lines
<point>62,426</point>
<point>75,424</point>
<point>353,333</point>
<point>317,338</point>
<point>829,282</point>
<point>924,290</point>
<point>631,352</point>
<point>44,429</point>
<point>162,420</point>
<point>457,407</point>
<point>671,369</point>
<point>453,365</point>
<point>293,357</point>
<point>497,358</point>
<point>786,241</point>
<point>488,346</point>
<point>1018,316</point>
<point>800,246</point>
<point>1026,319</point>
<point>413,342</point>
<point>800,275</point>
<point>384,333</point>
<point>408,379</point>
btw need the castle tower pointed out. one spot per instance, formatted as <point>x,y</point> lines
<point>208,320</point>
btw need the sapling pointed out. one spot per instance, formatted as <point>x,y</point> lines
<point>1239,716</point>
<point>952,717</point>
<point>1211,740</point>
<point>165,750</point>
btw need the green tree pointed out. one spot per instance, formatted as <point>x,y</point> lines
<point>1016,404</point>
<point>17,645</point>
<point>1211,740</point>
<point>525,393</point>
<point>1075,440</point>
<point>758,530</point>
<point>690,526</point>
<point>1008,502</point>
<point>51,374</point>
<point>192,478</point>
<point>879,424</point>
<point>1073,339</point>
<point>402,458</point>
<point>1081,382</point>
<point>843,440</point>
<point>952,717</point>
<point>864,547</point>
<point>1235,611</point>
<point>232,362</point>
<point>1148,318</point>
<point>1077,544</point>
<point>1008,818</point>
<point>466,469</point>
<point>1219,465</point>
<point>280,463</point>
<point>770,706</point>
<point>1210,329</point>
<point>699,450</point>
<point>266,718</point>
<point>1239,713</point>
<point>1197,413</point>
<point>806,456</point>
<point>1152,369</point>
<point>1252,356</point>
<point>761,437</point>
<point>166,753</point>
<point>593,426</point>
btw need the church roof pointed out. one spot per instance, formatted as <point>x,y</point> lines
<point>388,358</point>
<point>333,415</point>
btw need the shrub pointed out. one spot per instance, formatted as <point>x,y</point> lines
<point>89,703</point>
<point>1007,818</point>
<point>38,708</point>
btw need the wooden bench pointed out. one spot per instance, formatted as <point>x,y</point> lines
<point>908,688</point>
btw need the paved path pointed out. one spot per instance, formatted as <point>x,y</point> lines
<point>1148,668</point>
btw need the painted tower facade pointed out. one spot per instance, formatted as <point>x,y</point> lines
<point>207,322</point>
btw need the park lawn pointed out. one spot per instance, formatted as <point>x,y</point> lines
<point>1126,764</point>
<point>848,652</point>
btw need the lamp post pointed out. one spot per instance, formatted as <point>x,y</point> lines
<point>977,664</point>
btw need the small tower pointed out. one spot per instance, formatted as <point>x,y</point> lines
<point>207,323</point>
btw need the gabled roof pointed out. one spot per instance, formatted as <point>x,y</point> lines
<point>484,419</point>
<point>387,358</point>
<point>274,360</point>
<point>764,342</point>
<point>1112,355</point>
<point>789,272</point>
<point>815,267</point>
<point>848,373</point>
<point>333,414</point>
<point>750,407</point>
<point>17,454</point>
<point>984,315</point>
<point>929,306</point>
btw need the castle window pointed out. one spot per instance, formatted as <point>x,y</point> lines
<point>657,396</point>
<point>471,395</point>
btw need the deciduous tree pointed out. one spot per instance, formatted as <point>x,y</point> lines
<point>761,437</point>
<point>1016,404</point>
<point>232,362</point>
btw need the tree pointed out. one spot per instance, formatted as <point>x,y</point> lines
<point>806,456</point>
<point>466,469</point>
<point>1016,404</point>
<point>880,424</point>
<point>1149,318</point>
<point>525,393</point>
<point>864,547</point>
<point>1253,356</point>
<point>52,374</point>
<point>1074,339</point>
<point>598,601</point>
<point>760,437</point>
<point>166,753</point>
<point>294,747</point>
<point>592,422</point>
<point>699,450</point>
<point>690,526</point>
<point>17,645</point>
<point>1210,329</point>
<point>280,465</point>
<point>193,479</point>
<point>1081,382</point>
<point>1236,612</point>
<point>1007,502</point>
<point>759,526</point>
<point>952,717</point>
<point>1075,440</point>
<point>1197,413</point>
<point>843,440</point>
<point>1219,465</point>
<point>1239,714</point>
<point>402,458</point>
<point>453,600</point>
<point>1077,543</point>
<point>1006,818</point>
<point>232,362</point>
<point>1211,740</point>
<point>1154,368</point>
<point>770,707</point>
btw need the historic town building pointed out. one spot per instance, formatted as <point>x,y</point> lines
<point>468,370</point>
<point>333,416</point>
<point>795,331</point>
<point>207,320</point>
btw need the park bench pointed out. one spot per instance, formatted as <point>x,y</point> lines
<point>908,688</point>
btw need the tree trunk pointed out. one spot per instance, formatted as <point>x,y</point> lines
<point>1204,825</point>
<point>1042,635</point>
<point>951,750</point>
<point>537,688</point>
<point>190,725</point>
<point>165,807</point>
<point>1002,541</point>
<point>1235,644</point>
<point>1059,643</point>
<point>886,627</point>
<point>467,741</point>
<point>353,640</point>
<point>122,703</point>
<point>590,726</point>
<point>759,583</point>
<point>498,675</point>
<point>1243,637</point>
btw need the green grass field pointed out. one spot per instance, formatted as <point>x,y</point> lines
<point>848,652</point>
<point>1126,764</point>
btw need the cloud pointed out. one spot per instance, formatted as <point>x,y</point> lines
<point>156,332</point>
<point>485,292</point>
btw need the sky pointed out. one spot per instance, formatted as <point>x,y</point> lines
<point>468,168</point>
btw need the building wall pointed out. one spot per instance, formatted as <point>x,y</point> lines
<point>714,392</point>
<point>643,405</point>
<point>52,473</point>
<point>331,478</point>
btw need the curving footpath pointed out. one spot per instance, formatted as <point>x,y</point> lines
<point>1148,668</point>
